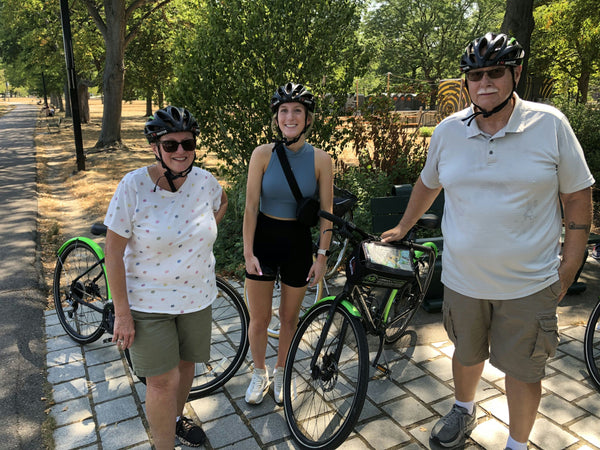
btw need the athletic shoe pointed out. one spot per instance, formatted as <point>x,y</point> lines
<point>259,386</point>
<point>189,433</point>
<point>454,427</point>
<point>278,385</point>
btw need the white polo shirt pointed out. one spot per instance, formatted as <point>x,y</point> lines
<point>502,219</point>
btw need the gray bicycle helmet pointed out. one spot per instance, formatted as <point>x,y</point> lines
<point>170,120</point>
<point>492,50</point>
<point>292,92</point>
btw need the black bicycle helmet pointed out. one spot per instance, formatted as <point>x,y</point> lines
<point>170,120</point>
<point>492,50</point>
<point>292,92</point>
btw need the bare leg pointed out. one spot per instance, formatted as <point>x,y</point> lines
<point>466,379</point>
<point>161,407</point>
<point>289,310</point>
<point>260,300</point>
<point>186,378</point>
<point>523,401</point>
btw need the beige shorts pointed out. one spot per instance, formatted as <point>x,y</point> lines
<point>518,336</point>
<point>162,340</point>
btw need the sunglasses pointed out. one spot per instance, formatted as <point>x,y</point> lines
<point>171,146</point>
<point>494,74</point>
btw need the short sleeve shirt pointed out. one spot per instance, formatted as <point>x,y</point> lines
<point>169,263</point>
<point>502,218</point>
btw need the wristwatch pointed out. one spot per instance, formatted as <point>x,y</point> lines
<point>323,252</point>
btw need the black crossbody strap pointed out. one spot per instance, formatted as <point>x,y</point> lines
<point>287,170</point>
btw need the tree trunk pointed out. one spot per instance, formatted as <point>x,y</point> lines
<point>149,103</point>
<point>583,84</point>
<point>114,74</point>
<point>84,105</point>
<point>518,23</point>
<point>68,112</point>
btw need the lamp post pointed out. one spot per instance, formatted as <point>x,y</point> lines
<point>72,80</point>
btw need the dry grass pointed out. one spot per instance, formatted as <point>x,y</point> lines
<point>70,201</point>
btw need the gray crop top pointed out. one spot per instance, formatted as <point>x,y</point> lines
<point>276,198</point>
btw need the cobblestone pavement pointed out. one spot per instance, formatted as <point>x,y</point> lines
<point>100,405</point>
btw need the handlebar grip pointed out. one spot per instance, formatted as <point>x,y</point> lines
<point>332,217</point>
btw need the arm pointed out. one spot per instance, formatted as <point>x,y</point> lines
<point>577,208</point>
<point>324,172</point>
<point>115,268</point>
<point>253,187</point>
<point>420,200</point>
<point>221,211</point>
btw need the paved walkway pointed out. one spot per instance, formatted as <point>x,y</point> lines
<point>100,405</point>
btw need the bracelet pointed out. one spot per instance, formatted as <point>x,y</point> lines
<point>323,252</point>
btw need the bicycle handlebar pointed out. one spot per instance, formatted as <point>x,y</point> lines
<point>348,229</point>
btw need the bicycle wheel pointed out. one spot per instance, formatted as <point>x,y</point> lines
<point>312,295</point>
<point>80,292</point>
<point>591,345</point>
<point>323,404</point>
<point>404,306</point>
<point>337,250</point>
<point>229,341</point>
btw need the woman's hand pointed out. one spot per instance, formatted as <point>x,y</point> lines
<point>317,271</point>
<point>253,266</point>
<point>124,331</point>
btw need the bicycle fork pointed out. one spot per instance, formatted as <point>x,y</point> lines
<point>328,368</point>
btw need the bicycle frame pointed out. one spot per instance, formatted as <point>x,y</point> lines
<point>362,310</point>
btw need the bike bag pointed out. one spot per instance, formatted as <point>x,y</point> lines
<point>375,263</point>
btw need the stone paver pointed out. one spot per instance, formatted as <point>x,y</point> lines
<point>98,402</point>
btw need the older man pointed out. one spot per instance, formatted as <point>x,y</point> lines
<point>505,165</point>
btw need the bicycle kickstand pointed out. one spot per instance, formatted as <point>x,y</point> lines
<point>382,369</point>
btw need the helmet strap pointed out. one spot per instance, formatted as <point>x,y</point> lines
<point>484,113</point>
<point>170,175</point>
<point>297,138</point>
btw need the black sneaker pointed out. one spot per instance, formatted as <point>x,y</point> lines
<point>189,433</point>
<point>454,427</point>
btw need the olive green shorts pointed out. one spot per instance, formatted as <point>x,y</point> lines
<point>162,340</point>
<point>518,336</point>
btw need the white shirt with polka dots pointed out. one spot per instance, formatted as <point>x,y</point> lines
<point>169,263</point>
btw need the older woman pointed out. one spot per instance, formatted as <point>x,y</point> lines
<point>162,223</point>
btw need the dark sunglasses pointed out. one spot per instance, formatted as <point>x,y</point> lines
<point>172,146</point>
<point>494,74</point>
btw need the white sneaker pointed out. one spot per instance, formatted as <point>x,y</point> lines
<point>259,386</point>
<point>278,385</point>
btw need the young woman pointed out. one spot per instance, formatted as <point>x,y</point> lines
<point>162,223</point>
<point>274,241</point>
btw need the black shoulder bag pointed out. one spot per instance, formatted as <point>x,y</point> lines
<point>308,207</point>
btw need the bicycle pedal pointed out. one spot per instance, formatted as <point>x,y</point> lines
<point>381,371</point>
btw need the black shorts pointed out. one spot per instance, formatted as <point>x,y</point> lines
<point>284,245</point>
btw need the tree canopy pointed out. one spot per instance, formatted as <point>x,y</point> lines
<point>233,57</point>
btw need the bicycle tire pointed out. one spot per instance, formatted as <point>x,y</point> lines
<point>404,307</point>
<point>311,297</point>
<point>229,341</point>
<point>322,406</point>
<point>591,345</point>
<point>337,250</point>
<point>80,291</point>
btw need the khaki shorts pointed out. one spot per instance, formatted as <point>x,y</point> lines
<point>162,340</point>
<point>517,335</point>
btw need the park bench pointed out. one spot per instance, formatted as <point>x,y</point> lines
<point>386,213</point>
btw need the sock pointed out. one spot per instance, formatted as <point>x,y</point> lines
<point>467,405</point>
<point>514,445</point>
